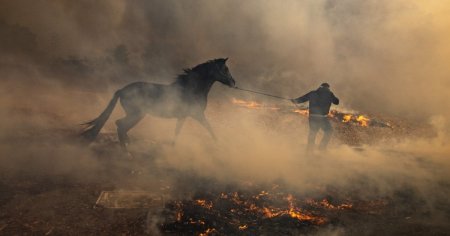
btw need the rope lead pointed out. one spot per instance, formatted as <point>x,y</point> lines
<point>266,94</point>
<point>270,95</point>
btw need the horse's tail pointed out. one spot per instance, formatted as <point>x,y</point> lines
<point>94,126</point>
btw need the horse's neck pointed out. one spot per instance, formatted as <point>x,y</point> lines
<point>200,84</point>
<point>205,85</point>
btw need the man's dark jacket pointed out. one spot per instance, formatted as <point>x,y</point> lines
<point>319,101</point>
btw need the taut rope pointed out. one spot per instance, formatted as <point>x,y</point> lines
<point>266,94</point>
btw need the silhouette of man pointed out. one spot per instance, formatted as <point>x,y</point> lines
<point>319,105</point>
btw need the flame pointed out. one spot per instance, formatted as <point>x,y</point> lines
<point>360,120</point>
<point>301,112</point>
<point>326,204</point>
<point>179,207</point>
<point>363,121</point>
<point>179,215</point>
<point>208,232</point>
<point>252,104</point>
<point>204,203</point>
<point>243,211</point>
<point>253,207</point>
<point>293,212</point>
<point>346,118</point>
<point>270,213</point>
<point>296,213</point>
<point>349,118</point>
<point>261,194</point>
<point>197,222</point>
<point>243,227</point>
<point>235,198</point>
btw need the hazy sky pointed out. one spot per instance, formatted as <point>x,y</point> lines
<point>379,56</point>
<point>60,61</point>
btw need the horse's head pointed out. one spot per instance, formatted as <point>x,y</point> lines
<point>219,72</point>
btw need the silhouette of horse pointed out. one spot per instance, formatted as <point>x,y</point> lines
<point>186,97</point>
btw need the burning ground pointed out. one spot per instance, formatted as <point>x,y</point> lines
<point>387,170</point>
<point>255,180</point>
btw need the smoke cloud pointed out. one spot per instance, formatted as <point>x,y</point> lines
<point>61,62</point>
<point>378,56</point>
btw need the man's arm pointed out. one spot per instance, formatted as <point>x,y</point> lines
<point>335,99</point>
<point>301,99</point>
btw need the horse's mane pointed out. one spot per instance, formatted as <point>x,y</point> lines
<point>198,68</point>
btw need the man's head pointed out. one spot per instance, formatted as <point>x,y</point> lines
<point>325,85</point>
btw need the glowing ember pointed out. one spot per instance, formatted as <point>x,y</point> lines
<point>198,222</point>
<point>209,231</point>
<point>243,227</point>
<point>348,118</point>
<point>252,104</point>
<point>362,120</point>
<point>272,212</point>
<point>256,212</point>
<point>179,214</point>
<point>301,112</point>
<point>204,203</point>
<point>295,212</point>
<point>325,203</point>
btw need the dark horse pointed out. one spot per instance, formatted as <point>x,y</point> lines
<point>185,97</point>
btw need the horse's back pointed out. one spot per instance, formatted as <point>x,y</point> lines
<point>157,99</point>
<point>145,89</point>
<point>140,86</point>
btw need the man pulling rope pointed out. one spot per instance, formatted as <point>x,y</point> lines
<point>320,101</point>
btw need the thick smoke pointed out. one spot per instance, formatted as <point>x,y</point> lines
<point>61,61</point>
<point>380,56</point>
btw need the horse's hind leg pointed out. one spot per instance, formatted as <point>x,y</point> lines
<point>125,124</point>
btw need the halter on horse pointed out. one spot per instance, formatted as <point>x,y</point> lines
<point>186,97</point>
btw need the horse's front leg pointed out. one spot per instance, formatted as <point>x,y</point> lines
<point>203,121</point>
<point>180,123</point>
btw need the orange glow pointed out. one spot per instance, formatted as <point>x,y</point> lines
<point>326,204</point>
<point>301,112</point>
<point>243,227</point>
<point>293,212</point>
<point>179,215</point>
<point>363,121</point>
<point>198,222</point>
<point>346,118</point>
<point>208,232</point>
<point>354,119</point>
<point>204,203</point>
<point>252,104</point>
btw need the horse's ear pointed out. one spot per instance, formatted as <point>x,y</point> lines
<point>222,60</point>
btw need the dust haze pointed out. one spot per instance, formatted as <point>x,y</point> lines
<point>61,62</point>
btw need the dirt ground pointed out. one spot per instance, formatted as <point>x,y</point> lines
<point>53,192</point>
<point>56,205</point>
